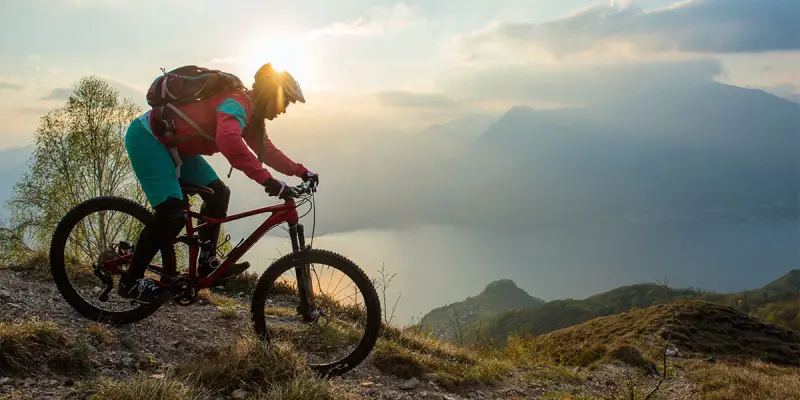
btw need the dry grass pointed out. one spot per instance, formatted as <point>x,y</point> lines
<point>272,371</point>
<point>755,380</point>
<point>407,355</point>
<point>26,345</point>
<point>36,265</point>
<point>554,373</point>
<point>244,283</point>
<point>264,371</point>
<point>144,387</point>
<point>636,338</point>
<point>215,299</point>
<point>228,313</point>
<point>101,332</point>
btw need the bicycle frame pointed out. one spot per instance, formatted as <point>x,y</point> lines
<point>281,213</point>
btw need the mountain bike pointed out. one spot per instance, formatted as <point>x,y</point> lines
<point>103,251</point>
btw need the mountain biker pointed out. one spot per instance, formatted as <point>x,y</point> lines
<point>236,119</point>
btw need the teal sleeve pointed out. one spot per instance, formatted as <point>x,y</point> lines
<point>234,108</point>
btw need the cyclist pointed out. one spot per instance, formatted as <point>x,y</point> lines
<point>236,119</point>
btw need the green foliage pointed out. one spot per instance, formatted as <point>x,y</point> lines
<point>777,302</point>
<point>79,154</point>
<point>499,296</point>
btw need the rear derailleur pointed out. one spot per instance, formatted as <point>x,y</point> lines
<point>121,249</point>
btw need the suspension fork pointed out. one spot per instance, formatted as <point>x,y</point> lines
<point>302,269</point>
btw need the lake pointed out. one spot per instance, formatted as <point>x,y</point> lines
<point>437,265</point>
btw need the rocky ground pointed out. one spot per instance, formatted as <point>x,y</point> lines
<point>176,334</point>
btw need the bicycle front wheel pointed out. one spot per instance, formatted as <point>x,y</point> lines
<point>346,311</point>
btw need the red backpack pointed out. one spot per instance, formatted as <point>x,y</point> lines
<point>188,84</point>
<point>183,85</point>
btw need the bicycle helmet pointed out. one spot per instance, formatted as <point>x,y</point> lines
<point>286,87</point>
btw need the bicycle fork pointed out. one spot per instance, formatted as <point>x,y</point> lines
<point>305,288</point>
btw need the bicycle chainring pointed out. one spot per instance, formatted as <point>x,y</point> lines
<point>184,290</point>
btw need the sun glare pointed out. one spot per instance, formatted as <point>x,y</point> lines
<point>286,53</point>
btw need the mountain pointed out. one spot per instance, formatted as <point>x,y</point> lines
<point>778,301</point>
<point>498,297</point>
<point>696,153</point>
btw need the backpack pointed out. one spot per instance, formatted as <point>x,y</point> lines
<point>184,85</point>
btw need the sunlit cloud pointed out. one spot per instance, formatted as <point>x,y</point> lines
<point>402,98</point>
<point>59,94</point>
<point>94,3</point>
<point>695,26</point>
<point>380,21</point>
<point>9,85</point>
<point>224,60</point>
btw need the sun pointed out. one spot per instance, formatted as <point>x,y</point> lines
<point>290,53</point>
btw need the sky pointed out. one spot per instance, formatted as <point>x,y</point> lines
<point>401,64</point>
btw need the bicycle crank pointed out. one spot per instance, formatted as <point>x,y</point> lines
<point>185,293</point>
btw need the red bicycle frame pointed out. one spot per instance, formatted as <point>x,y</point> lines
<point>286,212</point>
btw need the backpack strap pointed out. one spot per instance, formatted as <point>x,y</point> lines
<point>190,121</point>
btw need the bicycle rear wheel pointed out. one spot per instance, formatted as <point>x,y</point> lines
<point>90,231</point>
<point>348,320</point>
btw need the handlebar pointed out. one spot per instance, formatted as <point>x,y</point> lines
<point>304,188</point>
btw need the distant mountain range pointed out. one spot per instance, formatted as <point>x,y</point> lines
<point>693,153</point>
<point>778,302</point>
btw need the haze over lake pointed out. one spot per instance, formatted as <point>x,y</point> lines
<point>437,265</point>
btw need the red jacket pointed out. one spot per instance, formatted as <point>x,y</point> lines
<point>224,117</point>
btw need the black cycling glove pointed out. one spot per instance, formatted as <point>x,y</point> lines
<point>311,176</point>
<point>274,187</point>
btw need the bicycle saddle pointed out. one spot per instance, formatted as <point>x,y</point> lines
<point>195,189</point>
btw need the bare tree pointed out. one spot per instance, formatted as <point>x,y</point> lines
<point>455,323</point>
<point>633,387</point>
<point>382,283</point>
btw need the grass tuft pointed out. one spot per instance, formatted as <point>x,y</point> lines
<point>144,387</point>
<point>243,283</point>
<point>408,354</point>
<point>215,299</point>
<point>26,345</point>
<point>754,380</point>
<point>250,362</point>
<point>101,332</point>
<point>228,313</point>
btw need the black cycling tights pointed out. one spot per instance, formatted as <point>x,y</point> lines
<point>169,219</point>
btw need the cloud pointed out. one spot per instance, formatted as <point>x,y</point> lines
<point>6,85</point>
<point>577,84</point>
<point>59,94</point>
<point>33,110</point>
<point>125,90</point>
<point>695,26</point>
<point>224,60</point>
<point>400,98</point>
<point>788,91</point>
<point>380,21</point>
<point>95,3</point>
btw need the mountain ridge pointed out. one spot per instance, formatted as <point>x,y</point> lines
<point>777,301</point>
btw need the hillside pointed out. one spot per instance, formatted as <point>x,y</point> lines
<point>498,297</point>
<point>700,329</point>
<point>778,301</point>
<point>206,352</point>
